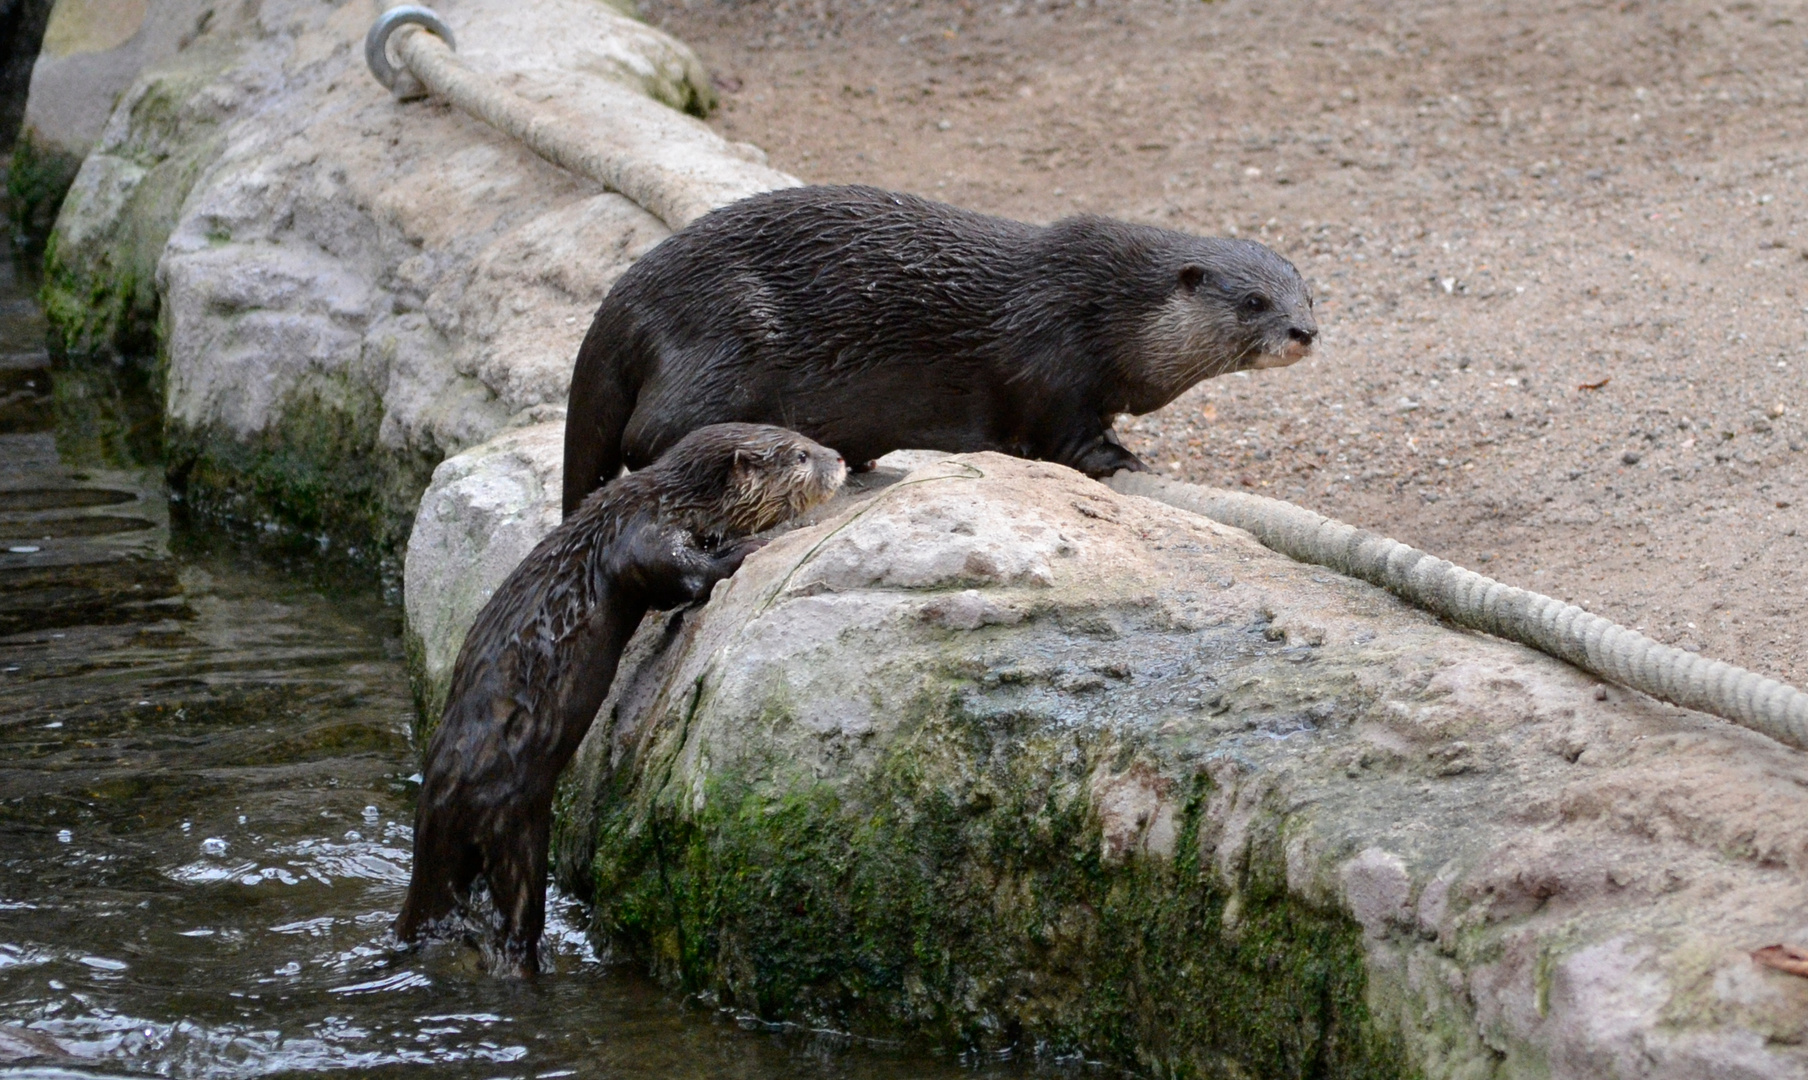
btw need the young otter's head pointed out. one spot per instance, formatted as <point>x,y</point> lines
<point>736,479</point>
<point>1230,305</point>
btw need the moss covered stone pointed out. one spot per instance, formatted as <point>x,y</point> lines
<point>998,758</point>
<point>958,890</point>
<point>100,262</point>
<point>317,472</point>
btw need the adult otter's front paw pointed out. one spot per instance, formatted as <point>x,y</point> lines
<point>1106,457</point>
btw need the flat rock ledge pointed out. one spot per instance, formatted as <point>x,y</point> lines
<point>997,756</point>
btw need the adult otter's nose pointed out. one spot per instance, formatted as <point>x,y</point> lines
<point>1299,344</point>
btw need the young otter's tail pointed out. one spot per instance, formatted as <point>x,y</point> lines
<point>597,411</point>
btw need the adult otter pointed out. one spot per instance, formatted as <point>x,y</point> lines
<point>539,659</point>
<point>872,321</point>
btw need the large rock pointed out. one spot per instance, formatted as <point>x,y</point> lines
<point>91,52</point>
<point>999,755</point>
<point>485,510</point>
<point>347,289</point>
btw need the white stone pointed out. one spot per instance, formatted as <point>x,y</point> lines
<point>485,510</point>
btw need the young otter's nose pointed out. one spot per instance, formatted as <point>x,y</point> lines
<point>1303,336</point>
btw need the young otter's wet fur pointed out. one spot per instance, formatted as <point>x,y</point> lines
<point>539,659</point>
<point>872,321</point>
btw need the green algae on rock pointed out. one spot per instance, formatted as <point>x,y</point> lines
<point>100,262</point>
<point>317,470</point>
<point>985,911</point>
<point>999,757</point>
<point>38,175</point>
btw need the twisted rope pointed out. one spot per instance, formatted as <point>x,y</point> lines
<point>547,133</point>
<point>674,168</point>
<point>1466,598</point>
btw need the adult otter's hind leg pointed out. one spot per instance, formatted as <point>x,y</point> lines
<point>597,411</point>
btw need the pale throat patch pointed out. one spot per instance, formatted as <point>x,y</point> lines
<point>1179,347</point>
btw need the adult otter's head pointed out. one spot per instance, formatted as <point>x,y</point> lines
<point>736,479</point>
<point>1230,305</point>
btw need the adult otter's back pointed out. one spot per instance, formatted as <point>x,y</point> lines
<point>540,656</point>
<point>872,321</point>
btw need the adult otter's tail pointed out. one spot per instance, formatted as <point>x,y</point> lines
<point>597,412</point>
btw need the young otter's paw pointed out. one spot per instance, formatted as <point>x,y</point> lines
<point>734,554</point>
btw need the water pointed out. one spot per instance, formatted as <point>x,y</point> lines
<point>204,797</point>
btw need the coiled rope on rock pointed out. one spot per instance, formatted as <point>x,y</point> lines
<point>1594,644</point>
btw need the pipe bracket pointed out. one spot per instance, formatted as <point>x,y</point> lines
<point>376,43</point>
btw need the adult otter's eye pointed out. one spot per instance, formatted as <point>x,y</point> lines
<point>1255,303</point>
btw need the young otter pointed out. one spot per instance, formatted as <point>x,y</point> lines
<point>872,321</point>
<point>538,661</point>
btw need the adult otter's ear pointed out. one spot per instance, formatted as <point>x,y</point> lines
<point>1191,275</point>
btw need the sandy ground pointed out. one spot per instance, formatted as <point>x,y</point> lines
<point>1556,249</point>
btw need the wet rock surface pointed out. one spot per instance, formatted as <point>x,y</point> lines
<point>998,754</point>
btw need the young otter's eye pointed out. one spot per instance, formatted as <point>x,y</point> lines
<point>803,457</point>
<point>1255,303</point>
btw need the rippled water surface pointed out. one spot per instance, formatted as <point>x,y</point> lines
<point>204,798</point>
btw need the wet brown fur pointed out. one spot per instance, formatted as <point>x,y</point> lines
<point>874,321</point>
<point>539,659</point>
